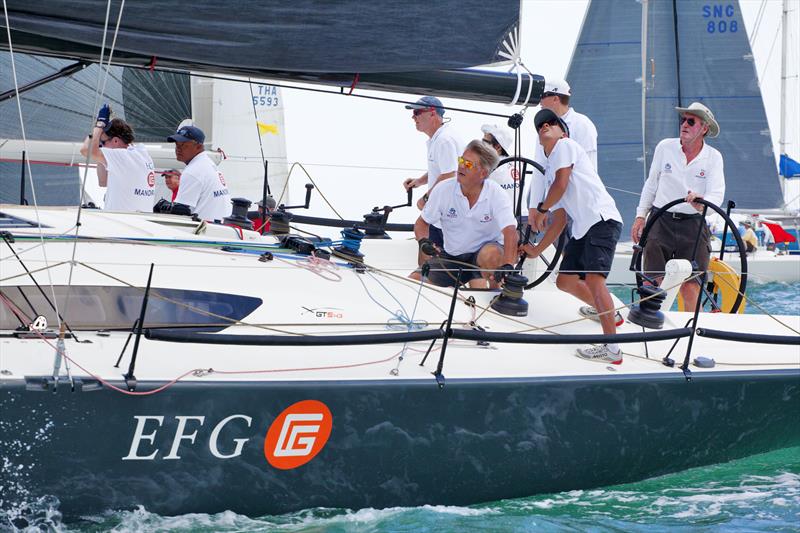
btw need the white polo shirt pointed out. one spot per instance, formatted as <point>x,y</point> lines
<point>203,189</point>
<point>507,177</point>
<point>466,229</point>
<point>444,148</point>
<point>671,178</point>
<point>131,179</point>
<point>585,200</point>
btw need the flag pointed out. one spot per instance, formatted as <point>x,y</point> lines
<point>267,128</point>
<point>789,168</point>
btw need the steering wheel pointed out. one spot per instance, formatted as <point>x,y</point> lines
<point>526,167</point>
<point>728,224</point>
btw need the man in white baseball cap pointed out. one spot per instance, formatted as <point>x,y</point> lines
<point>501,139</point>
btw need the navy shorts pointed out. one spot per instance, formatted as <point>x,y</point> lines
<point>436,236</point>
<point>594,252</point>
<point>444,269</point>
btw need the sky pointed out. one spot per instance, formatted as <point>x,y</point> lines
<point>359,151</point>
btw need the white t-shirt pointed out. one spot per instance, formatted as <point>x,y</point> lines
<point>581,130</point>
<point>466,229</point>
<point>585,200</point>
<point>508,178</point>
<point>203,189</point>
<point>131,179</point>
<point>671,178</point>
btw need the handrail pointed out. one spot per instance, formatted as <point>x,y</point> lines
<point>389,338</point>
<point>337,223</point>
<point>748,337</point>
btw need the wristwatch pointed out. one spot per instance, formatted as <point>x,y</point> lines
<point>425,197</point>
<point>539,208</point>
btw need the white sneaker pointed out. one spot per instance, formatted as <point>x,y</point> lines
<point>600,354</point>
<point>591,313</point>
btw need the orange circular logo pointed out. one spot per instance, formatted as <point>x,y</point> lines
<point>298,434</point>
<point>151,179</point>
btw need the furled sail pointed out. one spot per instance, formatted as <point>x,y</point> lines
<point>694,51</point>
<point>283,35</point>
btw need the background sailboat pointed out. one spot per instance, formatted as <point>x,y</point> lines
<point>636,61</point>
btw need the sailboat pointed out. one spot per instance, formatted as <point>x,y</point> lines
<point>653,56</point>
<point>157,360</point>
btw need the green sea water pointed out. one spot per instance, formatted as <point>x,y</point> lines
<point>758,493</point>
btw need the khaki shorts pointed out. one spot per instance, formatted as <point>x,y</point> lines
<point>674,238</point>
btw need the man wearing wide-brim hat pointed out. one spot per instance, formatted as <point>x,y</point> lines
<point>683,167</point>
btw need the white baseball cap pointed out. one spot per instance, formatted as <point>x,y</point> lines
<point>557,86</point>
<point>501,135</point>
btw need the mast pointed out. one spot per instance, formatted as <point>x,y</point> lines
<point>784,52</point>
<point>644,89</point>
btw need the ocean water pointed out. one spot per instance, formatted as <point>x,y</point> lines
<point>758,493</point>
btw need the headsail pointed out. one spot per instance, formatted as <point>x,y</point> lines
<point>694,51</point>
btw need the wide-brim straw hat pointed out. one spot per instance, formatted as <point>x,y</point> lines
<point>699,110</point>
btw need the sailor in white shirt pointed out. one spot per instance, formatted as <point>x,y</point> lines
<point>683,167</point>
<point>574,189</point>
<point>478,226</point>
<point>444,147</point>
<point>125,168</point>
<point>582,130</point>
<point>203,187</point>
<point>506,175</point>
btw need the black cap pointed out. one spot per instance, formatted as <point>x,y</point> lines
<point>548,116</point>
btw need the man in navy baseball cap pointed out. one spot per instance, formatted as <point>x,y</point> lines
<point>188,133</point>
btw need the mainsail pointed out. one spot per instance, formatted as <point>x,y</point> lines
<point>693,51</point>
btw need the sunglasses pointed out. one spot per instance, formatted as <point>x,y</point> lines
<point>466,163</point>
<point>548,95</point>
<point>103,142</point>
<point>492,141</point>
<point>690,120</point>
<point>418,112</point>
<point>543,124</point>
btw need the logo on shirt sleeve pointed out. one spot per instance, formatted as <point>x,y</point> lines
<point>667,168</point>
<point>451,213</point>
<point>221,179</point>
<point>151,179</point>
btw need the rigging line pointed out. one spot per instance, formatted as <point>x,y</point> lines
<point>25,147</point>
<point>255,119</point>
<point>677,51</point>
<point>769,56</point>
<point>759,18</point>
<point>760,308</point>
<point>286,185</point>
<point>312,89</point>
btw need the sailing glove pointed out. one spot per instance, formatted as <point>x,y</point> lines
<point>427,247</point>
<point>104,116</point>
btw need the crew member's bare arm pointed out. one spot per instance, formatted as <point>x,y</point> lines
<point>93,142</point>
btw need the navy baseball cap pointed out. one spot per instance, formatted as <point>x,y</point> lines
<point>188,133</point>
<point>428,102</point>
<point>548,116</point>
